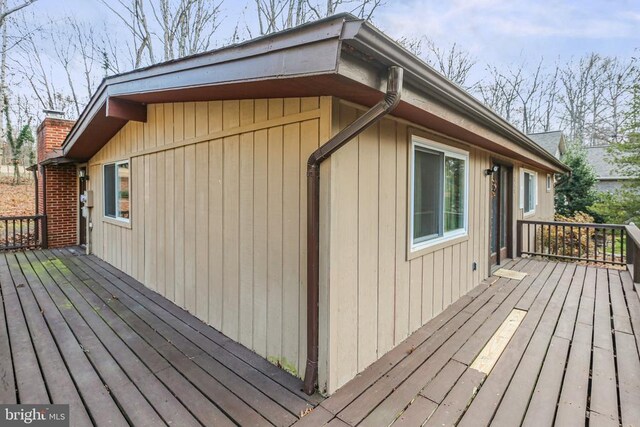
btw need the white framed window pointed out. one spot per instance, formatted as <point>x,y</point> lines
<point>528,191</point>
<point>117,190</point>
<point>439,193</point>
<point>549,183</point>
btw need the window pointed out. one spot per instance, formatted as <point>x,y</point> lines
<point>549,183</point>
<point>116,190</point>
<point>439,182</point>
<point>528,191</point>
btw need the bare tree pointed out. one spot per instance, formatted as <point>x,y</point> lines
<point>575,79</point>
<point>6,11</point>
<point>619,79</point>
<point>133,15</point>
<point>277,15</point>
<point>176,28</point>
<point>500,92</point>
<point>59,48</point>
<point>453,62</point>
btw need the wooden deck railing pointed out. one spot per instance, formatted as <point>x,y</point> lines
<point>592,243</point>
<point>23,232</point>
<point>633,251</point>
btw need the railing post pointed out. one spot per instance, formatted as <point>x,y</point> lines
<point>630,249</point>
<point>636,265</point>
<point>518,239</point>
<point>45,233</point>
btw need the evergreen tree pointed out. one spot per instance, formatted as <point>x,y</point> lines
<point>575,191</point>
<point>624,205</point>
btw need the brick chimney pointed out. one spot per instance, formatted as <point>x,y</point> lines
<point>51,134</point>
<point>57,181</point>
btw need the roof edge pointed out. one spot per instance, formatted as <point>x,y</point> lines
<point>369,40</point>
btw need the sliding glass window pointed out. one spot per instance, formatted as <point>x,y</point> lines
<point>439,185</point>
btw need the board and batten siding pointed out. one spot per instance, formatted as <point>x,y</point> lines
<point>378,292</point>
<point>378,295</point>
<point>218,214</point>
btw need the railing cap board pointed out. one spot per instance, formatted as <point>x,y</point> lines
<point>634,233</point>
<point>574,224</point>
<point>11,218</point>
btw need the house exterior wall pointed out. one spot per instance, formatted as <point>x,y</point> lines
<point>218,210</point>
<point>218,225</point>
<point>377,292</point>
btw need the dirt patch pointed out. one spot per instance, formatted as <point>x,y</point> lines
<point>16,200</point>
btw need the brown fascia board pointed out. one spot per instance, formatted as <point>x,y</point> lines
<point>311,49</point>
<point>372,44</point>
<point>312,55</point>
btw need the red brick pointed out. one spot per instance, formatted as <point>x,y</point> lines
<point>61,184</point>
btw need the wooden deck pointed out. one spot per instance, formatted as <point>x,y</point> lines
<point>572,361</point>
<point>75,330</point>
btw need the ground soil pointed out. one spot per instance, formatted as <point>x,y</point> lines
<point>16,200</point>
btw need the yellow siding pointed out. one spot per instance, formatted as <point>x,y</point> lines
<point>218,225</point>
<point>379,293</point>
<point>218,205</point>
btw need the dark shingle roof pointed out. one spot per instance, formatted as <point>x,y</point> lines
<point>602,163</point>
<point>550,141</point>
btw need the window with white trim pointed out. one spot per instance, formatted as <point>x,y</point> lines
<point>528,191</point>
<point>549,183</point>
<point>439,193</point>
<point>116,190</point>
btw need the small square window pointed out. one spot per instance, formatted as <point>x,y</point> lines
<point>528,191</point>
<point>116,191</point>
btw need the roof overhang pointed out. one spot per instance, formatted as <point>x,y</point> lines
<point>340,56</point>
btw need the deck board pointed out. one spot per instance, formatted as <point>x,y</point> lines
<point>78,331</point>
<point>543,377</point>
<point>151,332</point>
<point>186,323</point>
<point>264,394</point>
<point>74,329</point>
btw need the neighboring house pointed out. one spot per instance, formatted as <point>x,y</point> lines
<point>607,178</point>
<point>200,187</point>
<point>552,141</point>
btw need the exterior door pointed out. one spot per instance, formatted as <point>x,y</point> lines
<point>82,186</point>
<point>500,230</point>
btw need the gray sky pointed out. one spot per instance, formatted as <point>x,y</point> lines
<point>495,31</point>
<point>500,31</point>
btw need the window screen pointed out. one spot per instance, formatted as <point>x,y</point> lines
<point>427,187</point>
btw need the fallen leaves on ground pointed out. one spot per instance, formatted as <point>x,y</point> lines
<point>16,200</point>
